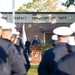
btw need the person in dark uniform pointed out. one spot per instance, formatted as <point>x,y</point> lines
<point>14,38</point>
<point>53,55</point>
<point>36,41</point>
<point>27,46</point>
<point>66,66</point>
<point>13,59</point>
<point>71,41</point>
<point>54,40</point>
<point>19,42</point>
<point>62,66</point>
<point>7,30</point>
<point>9,57</point>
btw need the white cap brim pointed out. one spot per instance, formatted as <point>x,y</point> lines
<point>63,31</point>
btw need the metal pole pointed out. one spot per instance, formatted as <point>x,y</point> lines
<point>13,11</point>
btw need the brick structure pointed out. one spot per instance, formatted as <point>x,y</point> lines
<point>40,23</point>
<point>40,29</point>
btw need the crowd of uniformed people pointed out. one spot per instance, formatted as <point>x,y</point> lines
<point>58,60</point>
<point>13,58</point>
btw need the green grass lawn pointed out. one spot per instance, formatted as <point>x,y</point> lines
<point>33,70</point>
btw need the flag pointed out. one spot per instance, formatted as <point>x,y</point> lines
<point>24,38</point>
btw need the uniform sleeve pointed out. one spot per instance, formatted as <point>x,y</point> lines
<point>42,68</point>
<point>27,60</point>
<point>17,64</point>
<point>46,65</point>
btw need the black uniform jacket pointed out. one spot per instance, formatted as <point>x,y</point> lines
<point>20,45</point>
<point>66,66</point>
<point>50,58</point>
<point>10,59</point>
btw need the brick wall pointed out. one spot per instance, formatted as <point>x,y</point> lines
<point>33,29</point>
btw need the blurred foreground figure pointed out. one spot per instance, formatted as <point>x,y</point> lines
<point>53,55</point>
<point>9,56</point>
<point>14,38</point>
<point>66,65</point>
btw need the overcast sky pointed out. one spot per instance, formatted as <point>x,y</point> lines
<point>6,5</point>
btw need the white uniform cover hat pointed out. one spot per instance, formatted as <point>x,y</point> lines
<point>14,31</point>
<point>71,44</point>
<point>17,32</point>
<point>72,26</point>
<point>54,40</point>
<point>62,31</point>
<point>8,26</point>
<point>0,15</point>
<point>2,22</point>
<point>71,40</point>
<point>54,37</point>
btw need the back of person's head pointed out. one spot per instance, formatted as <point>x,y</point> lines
<point>2,23</point>
<point>15,35</point>
<point>7,30</point>
<point>36,36</point>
